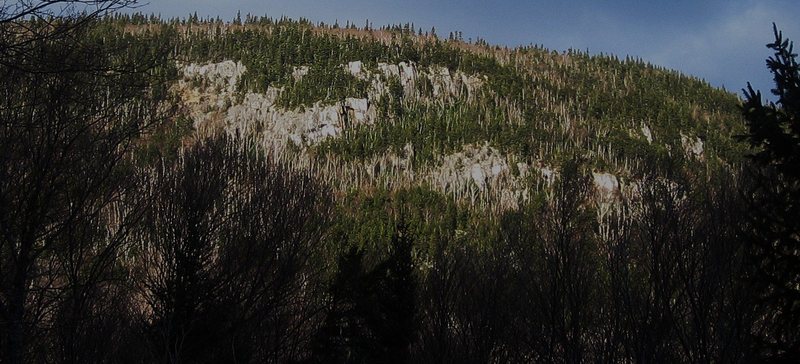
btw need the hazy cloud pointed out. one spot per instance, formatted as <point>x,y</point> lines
<point>729,50</point>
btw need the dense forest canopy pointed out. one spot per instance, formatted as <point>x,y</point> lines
<point>273,190</point>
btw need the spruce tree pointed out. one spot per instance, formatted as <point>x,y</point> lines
<point>774,134</point>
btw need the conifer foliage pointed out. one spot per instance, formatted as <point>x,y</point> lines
<point>774,133</point>
<point>372,314</point>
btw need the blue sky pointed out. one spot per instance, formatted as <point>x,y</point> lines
<point>721,41</point>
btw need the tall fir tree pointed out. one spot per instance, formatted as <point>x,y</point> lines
<point>774,134</point>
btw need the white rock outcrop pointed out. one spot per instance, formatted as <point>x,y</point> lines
<point>445,84</point>
<point>355,68</point>
<point>692,146</point>
<point>358,111</point>
<point>441,81</point>
<point>548,173</point>
<point>607,195</point>
<point>606,185</point>
<point>214,107</point>
<point>207,90</point>
<point>408,77</point>
<point>258,116</point>
<point>389,70</point>
<point>478,165</point>
<point>223,75</point>
<point>477,173</point>
<point>648,134</point>
<point>481,173</point>
<point>299,72</point>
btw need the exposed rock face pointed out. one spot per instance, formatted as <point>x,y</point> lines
<point>358,111</point>
<point>481,171</point>
<point>607,194</point>
<point>223,75</point>
<point>213,107</point>
<point>607,186</point>
<point>355,68</point>
<point>548,173</point>
<point>299,72</point>
<point>258,116</point>
<point>648,134</point>
<point>472,84</point>
<point>408,72</point>
<point>390,70</point>
<point>692,146</point>
<point>475,173</point>
<point>207,90</point>
<point>445,83</point>
<point>441,81</point>
<point>479,165</point>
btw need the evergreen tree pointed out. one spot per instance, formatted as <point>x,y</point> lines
<point>372,314</point>
<point>775,203</point>
<point>396,324</point>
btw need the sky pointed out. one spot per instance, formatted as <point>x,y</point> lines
<point>720,41</point>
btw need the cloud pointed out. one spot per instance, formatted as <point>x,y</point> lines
<point>728,50</point>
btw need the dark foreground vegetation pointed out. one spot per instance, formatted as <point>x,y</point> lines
<point>122,242</point>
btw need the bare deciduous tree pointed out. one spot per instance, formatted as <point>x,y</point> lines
<point>225,255</point>
<point>70,113</point>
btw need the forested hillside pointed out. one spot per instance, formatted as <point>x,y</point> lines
<point>273,190</point>
<point>389,113</point>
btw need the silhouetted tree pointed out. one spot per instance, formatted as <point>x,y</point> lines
<point>557,271</point>
<point>774,134</point>
<point>224,256</point>
<point>466,309</point>
<point>373,313</point>
<point>344,335</point>
<point>674,267</point>
<point>71,108</point>
<point>27,24</point>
